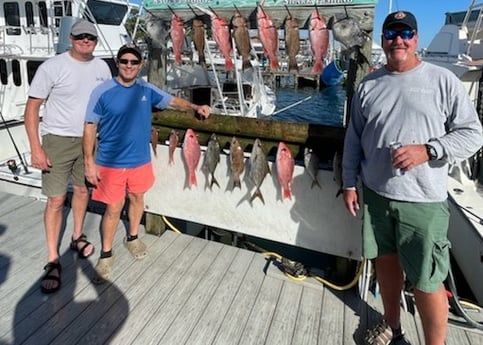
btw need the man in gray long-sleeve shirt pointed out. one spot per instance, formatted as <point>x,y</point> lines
<point>427,110</point>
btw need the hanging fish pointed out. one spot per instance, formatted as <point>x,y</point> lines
<point>198,36</point>
<point>347,31</point>
<point>221,34</point>
<point>173,143</point>
<point>285,167</point>
<point>319,40</point>
<point>192,154</point>
<point>311,162</point>
<point>237,162</point>
<point>154,140</point>
<point>212,158</point>
<point>258,168</point>
<point>177,37</point>
<point>292,41</point>
<point>241,36</point>
<point>268,34</point>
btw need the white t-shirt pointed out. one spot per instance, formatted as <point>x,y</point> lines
<point>66,84</point>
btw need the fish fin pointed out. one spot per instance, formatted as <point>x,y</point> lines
<point>287,194</point>
<point>214,181</point>
<point>247,64</point>
<point>317,68</point>
<point>236,183</point>
<point>315,183</point>
<point>274,65</point>
<point>258,194</point>
<point>229,64</point>
<point>192,180</point>
<point>292,65</point>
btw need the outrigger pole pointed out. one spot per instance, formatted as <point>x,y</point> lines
<point>14,144</point>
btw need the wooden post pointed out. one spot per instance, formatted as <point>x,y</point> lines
<point>154,224</point>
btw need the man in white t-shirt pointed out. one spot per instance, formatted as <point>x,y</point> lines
<point>64,82</point>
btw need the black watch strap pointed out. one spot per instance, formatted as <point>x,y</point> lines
<point>431,151</point>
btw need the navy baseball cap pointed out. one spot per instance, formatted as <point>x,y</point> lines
<point>403,18</point>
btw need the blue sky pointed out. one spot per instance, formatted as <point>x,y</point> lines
<point>429,14</point>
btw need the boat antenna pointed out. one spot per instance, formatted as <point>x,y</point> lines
<point>14,144</point>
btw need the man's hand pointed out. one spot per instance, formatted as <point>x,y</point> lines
<point>40,160</point>
<point>351,200</point>
<point>408,157</point>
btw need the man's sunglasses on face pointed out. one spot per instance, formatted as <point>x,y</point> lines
<point>405,34</point>
<point>126,61</point>
<point>83,36</point>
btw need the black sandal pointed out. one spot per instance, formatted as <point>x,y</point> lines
<point>48,276</point>
<point>74,245</point>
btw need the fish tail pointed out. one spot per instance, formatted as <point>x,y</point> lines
<point>274,65</point>
<point>229,64</point>
<point>192,179</point>
<point>292,64</point>
<point>287,194</point>
<point>317,68</point>
<point>315,182</point>
<point>246,64</point>
<point>236,183</point>
<point>178,58</point>
<point>171,160</point>
<point>258,194</point>
<point>214,181</point>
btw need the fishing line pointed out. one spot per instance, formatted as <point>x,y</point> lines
<point>14,144</point>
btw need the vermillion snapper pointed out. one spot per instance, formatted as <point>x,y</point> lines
<point>212,158</point>
<point>177,37</point>
<point>285,167</point>
<point>237,162</point>
<point>268,34</point>
<point>191,153</point>
<point>221,34</point>
<point>258,168</point>
<point>319,40</point>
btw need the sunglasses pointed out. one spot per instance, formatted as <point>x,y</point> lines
<point>83,36</point>
<point>405,34</point>
<point>126,61</point>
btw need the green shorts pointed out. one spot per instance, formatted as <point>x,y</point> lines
<point>416,231</point>
<point>67,160</point>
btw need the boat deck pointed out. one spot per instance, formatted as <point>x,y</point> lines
<point>187,291</point>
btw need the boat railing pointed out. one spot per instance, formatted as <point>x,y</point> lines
<point>18,41</point>
<point>474,37</point>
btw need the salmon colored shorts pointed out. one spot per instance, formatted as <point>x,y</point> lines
<point>114,183</point>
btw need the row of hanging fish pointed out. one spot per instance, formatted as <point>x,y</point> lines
<point>257,163</point>
<point>346,31</point>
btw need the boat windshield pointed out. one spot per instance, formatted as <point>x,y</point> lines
<point>106,12</point>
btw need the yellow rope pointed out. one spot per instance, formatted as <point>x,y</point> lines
<point>170,225</point>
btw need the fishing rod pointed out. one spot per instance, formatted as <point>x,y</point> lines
<point>292,105</point>
<point>14,144</point>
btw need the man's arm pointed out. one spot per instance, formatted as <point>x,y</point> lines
<point>40,160</point>
<point>88,145</point>
<point>185,105</point>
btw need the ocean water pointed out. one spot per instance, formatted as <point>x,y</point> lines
<point>309,105</point>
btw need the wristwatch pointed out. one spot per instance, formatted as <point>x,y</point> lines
<point>431,151</point>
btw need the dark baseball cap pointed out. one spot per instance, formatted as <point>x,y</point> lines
<point>125,49</point>
<point>403,18</point>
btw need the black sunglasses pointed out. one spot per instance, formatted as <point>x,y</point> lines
<point>126,61</point>
<point>83,36</point>
<point>405,34</point>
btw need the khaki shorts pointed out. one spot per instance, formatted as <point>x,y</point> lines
<point>416,231</point>
<point>67,160</point>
